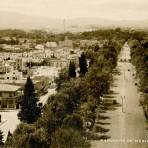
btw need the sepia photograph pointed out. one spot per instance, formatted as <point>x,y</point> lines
<point>74,74</point>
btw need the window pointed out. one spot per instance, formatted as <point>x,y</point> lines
<point>11,94</point>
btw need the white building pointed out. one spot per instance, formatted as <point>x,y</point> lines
<point>46,71</point>
<point>13,75</point>
<point>125,53</point>
<point>51,45</point>
<point>39,47</point>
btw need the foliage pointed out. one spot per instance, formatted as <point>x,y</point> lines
<point>1,138</point>
<point>29,109</point>
<point>83,64</point>
<point>63,77</point>
<point>8,142</point>
<point>139,55</point>
<point>73,121</point>
<point>72,70</point>
<point>28,136</point>
<point>68,138</point>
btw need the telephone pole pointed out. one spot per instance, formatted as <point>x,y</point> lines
<point>122,103</point>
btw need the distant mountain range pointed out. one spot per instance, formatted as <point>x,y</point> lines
<point>12,20</point>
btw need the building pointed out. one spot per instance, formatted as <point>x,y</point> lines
<point>20,64</point>
<point>2,67</point>
<point>10,96</point>
<point>74,58</point>
<point>125,53</point>
<point>66,43</point>
<point>84,43</point>
<point>6,38</point>
<point>13,75</point>
<point>51,45</point>
<point>39,47</point>
<point>45,71</point>
<point>59,63</point>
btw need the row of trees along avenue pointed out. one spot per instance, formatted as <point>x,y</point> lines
<point>139,54</point>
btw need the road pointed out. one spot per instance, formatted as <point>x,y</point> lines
<point>9,121</point>
<point>127,126</point>
<point>44,98</point>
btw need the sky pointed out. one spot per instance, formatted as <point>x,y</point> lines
<point>69,9</point>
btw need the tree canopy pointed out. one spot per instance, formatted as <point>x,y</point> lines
<point>30,111</point>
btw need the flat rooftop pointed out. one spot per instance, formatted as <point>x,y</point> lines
<point>9,88</point>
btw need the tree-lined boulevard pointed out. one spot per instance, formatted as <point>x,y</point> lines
<point>127,128</point>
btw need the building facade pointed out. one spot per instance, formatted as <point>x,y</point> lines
<point>10,96</point>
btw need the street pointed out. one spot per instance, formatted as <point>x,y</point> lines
<point>128,124</point>
<point>9,121</point>
<point>44,98</point>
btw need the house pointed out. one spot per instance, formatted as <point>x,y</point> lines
<point>88,43</point>
<point>66,43</point>
<point>59,63</point>
<point>45,71</point>
<point>39,47</point>
<point>23,40</point>
<point>26,45</point>
<point>51,45</point>
<point>13,75</point>
<point>10,96</point>
<point>61,53</point>
<point>74,58</point>
<point>6,38</point>
<point>7,47</point>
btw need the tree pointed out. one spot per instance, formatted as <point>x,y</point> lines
<point>28,136</point>
<point>83,64</point>
<point>63,77</point>
<point>72,70</point>
<point>68,138</point>
<point>30,111</point>
<point>8,142</point>
<point>1,138</point>
<point>73,121</point>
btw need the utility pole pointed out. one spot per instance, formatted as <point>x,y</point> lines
<point>122,103</point>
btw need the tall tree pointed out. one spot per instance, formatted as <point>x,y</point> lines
<point>72,70</point>
<point>30,111</point>
<point>68,138</point>
<point>1,138</point>
<point>63,77</point>
<point>83,64</point>
<point>28,136</point>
